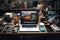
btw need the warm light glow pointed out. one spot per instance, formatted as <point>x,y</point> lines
<point>27,17</point>
<point>41,23</point>
<point>15,18</point>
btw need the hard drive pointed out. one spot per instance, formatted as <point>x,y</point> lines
<point>7,29</point>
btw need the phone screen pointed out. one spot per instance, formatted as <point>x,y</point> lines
<point>15,29</point>
<point>42,28</point>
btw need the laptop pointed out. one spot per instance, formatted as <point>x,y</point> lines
<point>51,15</point>
<point>29,20</point>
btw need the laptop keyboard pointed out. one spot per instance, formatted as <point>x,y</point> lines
<point>29,25</point>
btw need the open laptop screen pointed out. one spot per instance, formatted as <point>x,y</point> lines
<point>51,15</point>
<point>29,16</point>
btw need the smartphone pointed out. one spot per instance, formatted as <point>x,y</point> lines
<point>15,30</point>
<point>42,28</point>
<point>48,28</point>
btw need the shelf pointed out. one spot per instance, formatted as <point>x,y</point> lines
<point>46,29</point>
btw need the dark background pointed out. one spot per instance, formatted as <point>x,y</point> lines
<point>54,3</point>
<point>30,37</point>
